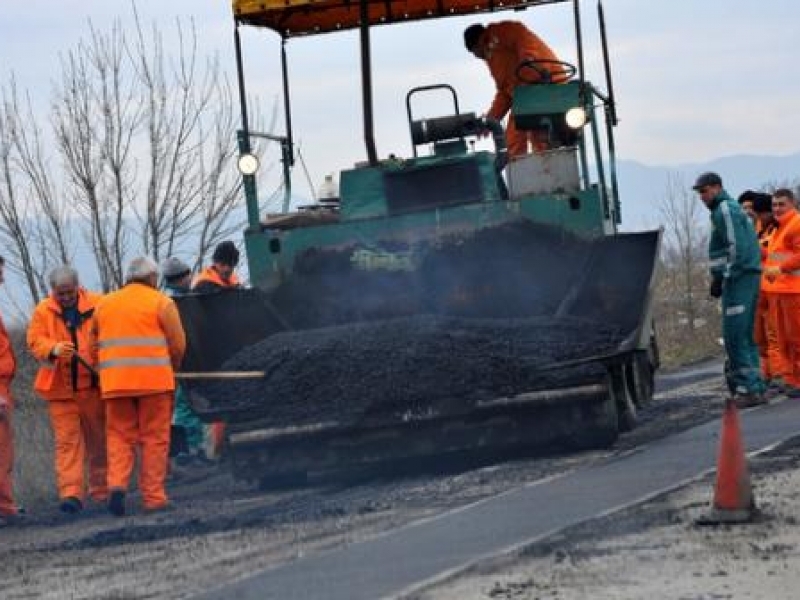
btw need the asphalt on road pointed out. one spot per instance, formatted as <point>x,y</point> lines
<point>395,563</point>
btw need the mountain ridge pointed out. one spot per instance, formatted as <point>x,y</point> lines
<point>643,187</point>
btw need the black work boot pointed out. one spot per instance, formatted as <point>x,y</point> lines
<point>70,505</point>
<point>749,399</point>
<point>116,503</point>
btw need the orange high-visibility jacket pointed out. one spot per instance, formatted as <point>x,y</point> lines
<point>783,250</point>
<point>8,362</point>
<point>57,378</point>
<point>508,44</point>
<point>210,275</point>
<point>765,234</point>
<point>140,341</point>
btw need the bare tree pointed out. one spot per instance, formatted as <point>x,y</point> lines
<point>688,321</point>
<point>191,187</point>
<point>31,215</point>
<point>789,184</point>
<point>147,140</point>
<point>685,237</point>
<point>95,116</point>
<point>144,145</point>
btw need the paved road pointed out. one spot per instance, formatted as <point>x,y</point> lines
<point>400,560</point>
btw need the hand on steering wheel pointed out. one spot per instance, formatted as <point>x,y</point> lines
<point>545,70</point>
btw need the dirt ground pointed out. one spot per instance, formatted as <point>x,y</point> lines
<point>656,551</point>
<point>220,530</point>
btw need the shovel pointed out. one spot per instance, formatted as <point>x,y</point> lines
<point>193,375</point>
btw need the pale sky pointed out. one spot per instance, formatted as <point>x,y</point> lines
<point>694,79</point>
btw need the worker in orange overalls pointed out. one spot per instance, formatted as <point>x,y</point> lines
<point>219,276</point>
<point>758,207</point>
<point>221,273</point>
<point>781,282</point>
<point>140,345</point>
<point>504,46</point>
<point>8,366</point>
<point>60,337</point>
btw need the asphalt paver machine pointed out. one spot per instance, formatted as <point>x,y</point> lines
<point>454,301</point>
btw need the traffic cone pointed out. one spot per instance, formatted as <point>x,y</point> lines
<point>733,494</point>
<point>215,440</point>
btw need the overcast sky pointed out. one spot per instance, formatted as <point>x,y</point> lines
<point>695,79</point>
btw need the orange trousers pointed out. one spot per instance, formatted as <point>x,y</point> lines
<point>142,422</point>
<point>7,505</point>
<point>765,333</point>
<point>787,320</point>
<point>79,428</point>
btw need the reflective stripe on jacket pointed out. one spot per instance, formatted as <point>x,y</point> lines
<point>733,245</point>
<point>210,275</point>
<point>58,378</point>
<point>139,341</point>
<point>508,43</point>
<point>783,250</point>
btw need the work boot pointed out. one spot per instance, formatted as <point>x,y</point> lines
<point>792,392</point>
<point>157,508</point>
<point>116,503</point>
<point>777,383</point>
<point>13,518</point>
<point>70,505</point>
<point>749,399</point>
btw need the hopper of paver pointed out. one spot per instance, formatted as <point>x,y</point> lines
<point>513,336</point>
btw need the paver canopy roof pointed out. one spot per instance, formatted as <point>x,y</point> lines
<point>304,17</point>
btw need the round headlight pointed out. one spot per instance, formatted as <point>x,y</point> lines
<point>576,117</point>
<point>247,164</point>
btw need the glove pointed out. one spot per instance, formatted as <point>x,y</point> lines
<point>772,273</point>
<point>715,291</point>
<point>63,350</point>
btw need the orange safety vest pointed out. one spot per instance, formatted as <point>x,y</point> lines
<point>783,250</point>
<point>133,350</point>
<point>765,234</point>
<point>58,379</point>
<point>210,274</point>
<point>508,43</point>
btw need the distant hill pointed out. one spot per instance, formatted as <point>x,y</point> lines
<point>643,187</point>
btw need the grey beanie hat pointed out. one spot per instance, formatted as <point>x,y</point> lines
<point>172,268</point>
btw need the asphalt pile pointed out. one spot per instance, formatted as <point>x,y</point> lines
<point>405,368</point>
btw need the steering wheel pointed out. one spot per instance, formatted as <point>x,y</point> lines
<point>546,70</point>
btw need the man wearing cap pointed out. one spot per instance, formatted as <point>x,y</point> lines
<point>188,431</point>
<point>735,266</point>
<point>221,274</point>
<point>504,46</point>
<point>176,276</point>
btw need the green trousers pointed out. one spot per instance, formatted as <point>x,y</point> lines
<point>739,297</point>
<point>183,416</point>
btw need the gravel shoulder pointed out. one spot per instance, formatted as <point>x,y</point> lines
<point>656,551</point>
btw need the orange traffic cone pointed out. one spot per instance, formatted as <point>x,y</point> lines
<point>733,494</point>
<point>215,440</point>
